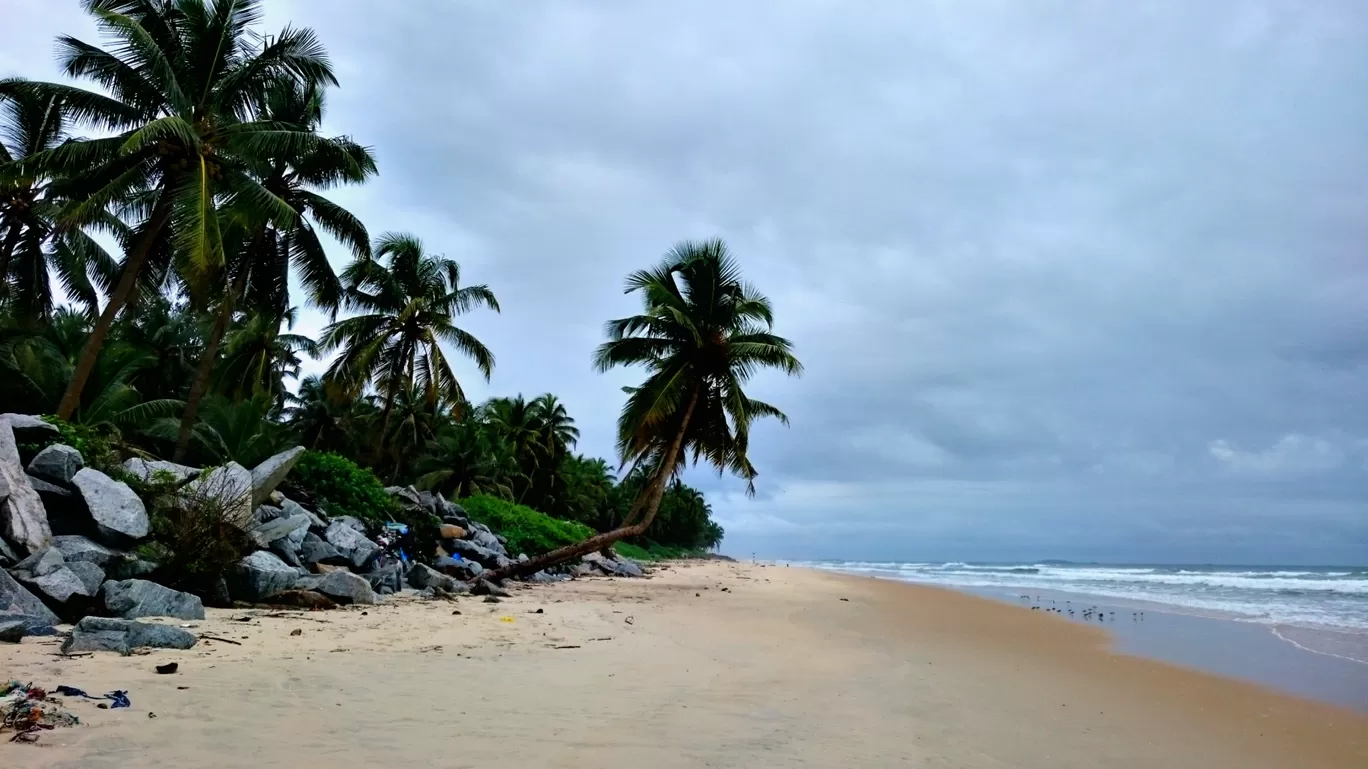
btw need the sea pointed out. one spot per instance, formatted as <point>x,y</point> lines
<point>1323,610</point>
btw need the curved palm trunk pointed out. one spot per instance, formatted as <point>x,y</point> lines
<point>206,366</point>
<point>6,251</point>
<point>133,265</point>
<point>652,495</point>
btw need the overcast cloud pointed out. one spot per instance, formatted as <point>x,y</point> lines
<point>1070,279</point>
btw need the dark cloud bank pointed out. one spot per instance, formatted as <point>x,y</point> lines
<point>1086,282</point>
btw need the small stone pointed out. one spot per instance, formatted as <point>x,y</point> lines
<point>296,631</point>
<point>41,563</point>
<point>167,669</point>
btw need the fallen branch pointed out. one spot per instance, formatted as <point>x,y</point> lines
<point>216,638</point>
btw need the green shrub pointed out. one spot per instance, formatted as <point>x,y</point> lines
<point>526,530</point>
<point>96,448</point>
<point>192,540</point>
<point>339,486</point>
<point>655,552</point>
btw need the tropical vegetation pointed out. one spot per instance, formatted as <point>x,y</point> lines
<point>154,226</point>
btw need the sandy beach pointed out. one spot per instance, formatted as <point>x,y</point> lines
<point>704,664</point>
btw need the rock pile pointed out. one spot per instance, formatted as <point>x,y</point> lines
<point>68,531</point>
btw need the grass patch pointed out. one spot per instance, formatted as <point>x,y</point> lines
<point>526,530</point>
<point>655,552</point>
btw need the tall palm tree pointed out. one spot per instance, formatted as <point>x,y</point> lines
<point>258,358</point>
<point>409,301</point>
<point>31,242</point>
<point>702,335</point>
<point>556,425</point>
<point>260,266</point>
<point>180,80</point>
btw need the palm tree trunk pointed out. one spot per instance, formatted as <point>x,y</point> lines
<point>6,251</point>
<point>133,264</point>
<point>652,494</point>
<point>206,365</point>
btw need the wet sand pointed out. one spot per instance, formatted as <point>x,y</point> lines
<point>776,671</point>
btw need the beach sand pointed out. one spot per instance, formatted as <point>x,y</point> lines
<point>673,671</point>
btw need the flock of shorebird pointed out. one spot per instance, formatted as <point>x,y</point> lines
<point>1090,613</point>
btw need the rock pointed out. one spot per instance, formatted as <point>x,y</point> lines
<point>583,570</point>
<point>7,555</point>
<point>386,580</point>
<point>303,599</point>
<point>420,575</point>
<point>471,551</point>
<point>482,536</point>
<point>126,566</point>
<point>356,524</point>
<point>11,630</point>
<point>406,494</point>
<point>91,576</point>
<point>60,586</point>
<point>345,587</point>
<point>429,502</point>
<point>316,522</point>
<point>294,528</point>
<point>350,542</point>
<point>264,513</point>
<point>30,425</point>
<point>48,488</point>
<point>286,551</point>
<point>259,575</point>
<point>326,568</point>
<point>315,549</point>
<point>18,603</point>
<point>461,569</point>
<point>229,486</point>
<point>485,587</point>
<point>146,470</point>
<point>522,558</point>
<point>41,563</point>
<point>75,548</point>
<point>268,475</point>
<point>136,598</point>
<point>624,568</point>
<point>23,519</point>
<point>94,634</point>
<point>118,513</point>
<point>543,577</point>
<point>57,463</point>
<point>451,531</point>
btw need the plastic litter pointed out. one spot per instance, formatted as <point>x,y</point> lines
<point>27,710</point>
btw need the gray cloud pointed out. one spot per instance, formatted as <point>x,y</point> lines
<point>1084,282</point>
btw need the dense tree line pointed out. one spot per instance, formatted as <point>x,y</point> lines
<point>177,207</point>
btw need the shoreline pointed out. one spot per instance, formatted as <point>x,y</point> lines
<point>722,664</point>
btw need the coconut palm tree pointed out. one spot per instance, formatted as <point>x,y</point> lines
<point>181,78</point>
<point>701,336</point>
<point>260,266</point>
<point>409,301</point>
<point>258,358</point>
<point>31,243</point>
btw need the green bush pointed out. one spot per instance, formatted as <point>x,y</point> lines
<point>655,552</point>
<point>96,448</point>
<point>193,542</point>
<point>339,486</point>
<point>526,530</point>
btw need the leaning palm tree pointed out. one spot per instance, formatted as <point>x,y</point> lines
<point>31,243</point>
<point>180,78</point>
<point>260,265</point>
<point>409,301</point>
<point>702,335</point>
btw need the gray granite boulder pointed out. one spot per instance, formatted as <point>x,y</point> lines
<point>315,549</point>
<point>316,522</point>
<point>48,490</point>
<point>469,550</point>
<point>482,536</point>
<point>229,486</point>
<point>485,587</point>
<point>459,568</point>
<point>23,519</point>
<point>264,513</point>
<point>294,528</point>
<point>60,586</point>
<point>386,580</point>
<point>96,634</point>
<point>420,575</point>
<point>128,566</point>
<point>345,587</point>
<point>146,470</point>
<point>407,495</point>
<point>7,555</point>
<point>135,598</point>
<point>40,564</point>
<point>352,522</point>
<point>16,602</point>
<point>91,576</point>
<point>268,475</point>
<point>118,513</point>
<point>30,426</point>
<point>57,463</point>
<point>76,548</point>
<point>259,575</point>
<point>11,630</point>
<point>350,542</point>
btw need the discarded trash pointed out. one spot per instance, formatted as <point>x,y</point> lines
<point>505,619</point>
<point>297,631</point>
<point>539,611</point>
<point>630,620</point>
<point>119,699</point>
<point>27,710</point>
<point>168,668</point>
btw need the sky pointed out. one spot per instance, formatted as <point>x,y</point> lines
<point>1075,280</point>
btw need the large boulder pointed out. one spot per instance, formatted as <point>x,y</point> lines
<point>315,549</point>
<point>459,568</point>
<point>293,528</point>
<point>57,463</point>
<point>259,575</point>
<point>40,564</point>
<point>471,551</point>
<point>7,555</point>
<point>76,548</point>
<point>17,603</point>
<point>119,514</point>
<point>135,598</point>
<point>386,580</point>
<point>407,495</point>
<point>345,587</point>
<point>30,426</point>
<point>96,634</point>
<point>229,486</point>
<point>482,536</point>
<point>420,575</point>
<point>23,520</point>
<point>350,542</point>
<point>316,522</point>
<point>147,469</point>
<point>91,576</point>
<point>268,475</point>
<point>60,587</point>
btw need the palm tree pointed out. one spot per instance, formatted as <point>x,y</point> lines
<point>30,201</point>
<point>258,358</point>
<point>260,269</point>
<point>557,426</point>
<point>181,78</point>
<point>325,418</point>
<point>702,335</point>
<point>409,307</point>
